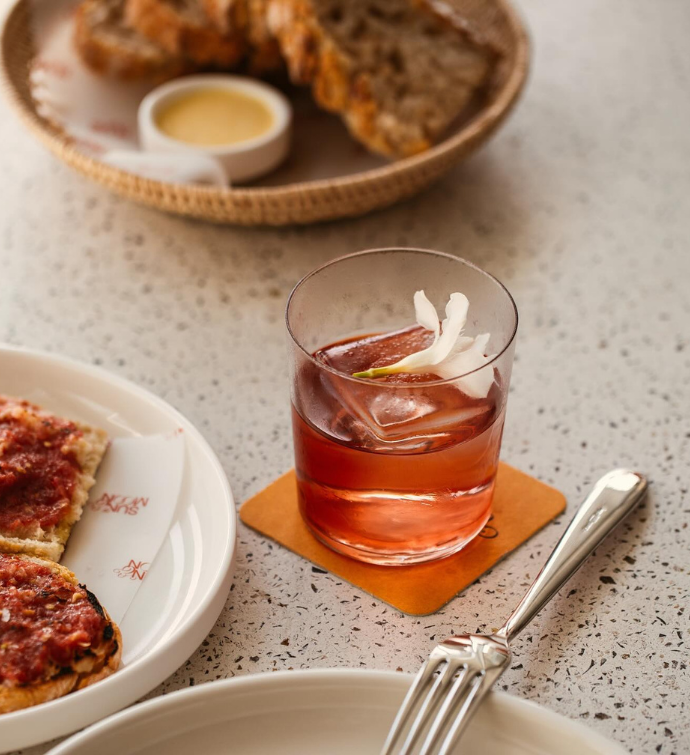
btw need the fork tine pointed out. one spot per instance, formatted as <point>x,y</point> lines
<point>430,703</point>
<point>454,710</point>
<point>418,688</point>
<point>469,708</point>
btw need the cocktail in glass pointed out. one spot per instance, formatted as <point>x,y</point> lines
<point>398,469</point>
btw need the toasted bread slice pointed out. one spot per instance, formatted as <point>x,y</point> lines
<point>47,467</point>
<point>250,18</point>
<point>110,47</point>
<point>55,637</point>
<point>398,71</point>
<point>183,29</point>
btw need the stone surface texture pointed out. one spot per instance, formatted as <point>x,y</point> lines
<point>581,205</point>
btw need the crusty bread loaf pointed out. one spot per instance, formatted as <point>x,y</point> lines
<point>85,444</point>
<point>110,47</point>
<point>182,28</point>
<point>98,660</point>
<point>399,71</point>
<point>250,18</point>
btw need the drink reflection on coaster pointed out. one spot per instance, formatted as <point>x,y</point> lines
<point>397,425</point>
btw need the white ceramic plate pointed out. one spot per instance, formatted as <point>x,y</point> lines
<point>321,712</point>
<point>187,584</point>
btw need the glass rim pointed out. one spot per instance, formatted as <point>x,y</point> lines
<point>373,381</point>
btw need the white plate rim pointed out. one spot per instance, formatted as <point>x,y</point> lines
<point>254,682</point>
<point>155,665</point>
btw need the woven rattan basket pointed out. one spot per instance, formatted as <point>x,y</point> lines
<point>305,202</point>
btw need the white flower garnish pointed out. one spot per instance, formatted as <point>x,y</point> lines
<point>451,354</point>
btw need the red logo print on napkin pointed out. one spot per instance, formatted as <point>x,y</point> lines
<point>89,145</point>
<point>113,503</point>
<point>55,67</point>
<point>115,128</point>
<point>133,570</point>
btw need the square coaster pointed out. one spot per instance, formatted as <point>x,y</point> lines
<point>522,506</point>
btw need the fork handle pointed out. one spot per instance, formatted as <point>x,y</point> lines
<point>614,496</point>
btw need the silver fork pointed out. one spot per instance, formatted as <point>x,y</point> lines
<point>461,670</point>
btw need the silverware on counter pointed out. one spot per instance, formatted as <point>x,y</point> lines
<point>461,670</point>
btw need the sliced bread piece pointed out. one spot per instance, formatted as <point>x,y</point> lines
<point>249,17</point>
<point>55,637</point>
<point>110,47</point>
<point>182,28</point>
<point>398,71</point>
<point>264,51</point>
<point>227,15</point>
<point>47,467</point>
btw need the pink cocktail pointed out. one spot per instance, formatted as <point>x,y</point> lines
<point>399,469</point>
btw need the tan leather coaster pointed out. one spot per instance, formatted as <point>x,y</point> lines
<point>522,506</point>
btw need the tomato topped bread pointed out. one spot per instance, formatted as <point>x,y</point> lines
<point>55,637</point>
<point>47,467</point>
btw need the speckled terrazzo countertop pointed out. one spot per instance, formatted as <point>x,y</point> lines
<point>581,205</point>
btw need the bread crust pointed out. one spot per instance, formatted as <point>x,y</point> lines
<point>48,550</point>
<point>105,55</point>
<point>89,451</point>
<point>95,444</point>
<point>17,698</point>
<point>314,58</point>
<point>248,17</point>
<point>227,15</point>
<point>186,35</point>
<point>14,698</point>
<point>264,54</point>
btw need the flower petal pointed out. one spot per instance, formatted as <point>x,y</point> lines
<point>427,316</point>
<point>450,355</point>
<point>420,361</point>
<point>456,317</point>
<point>477,384</point>
<point>481,342</point>
<point>462,344</point>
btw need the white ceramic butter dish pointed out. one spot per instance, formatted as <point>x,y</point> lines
<point>242,123</point>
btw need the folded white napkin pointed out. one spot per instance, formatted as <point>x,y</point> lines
<point>172,168</point>
<point>127,518</point>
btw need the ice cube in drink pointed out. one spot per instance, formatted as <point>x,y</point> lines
<point>395,469</point>
<point>406,416</point>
